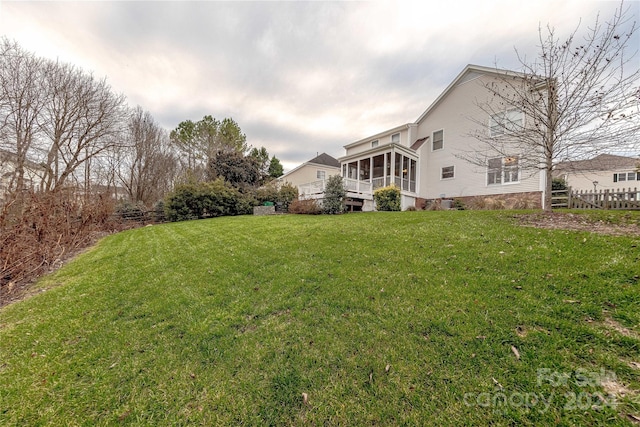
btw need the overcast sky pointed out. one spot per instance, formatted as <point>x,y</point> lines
<point>298,77</point>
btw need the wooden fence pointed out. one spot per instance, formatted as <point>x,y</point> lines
<point>622,199</point>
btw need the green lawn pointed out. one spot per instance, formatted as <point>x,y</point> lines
<point>409,318</point>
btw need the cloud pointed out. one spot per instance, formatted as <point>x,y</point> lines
<point>299,77</point>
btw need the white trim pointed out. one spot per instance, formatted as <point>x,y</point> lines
<point>502,171</point>
<point>454,83</point>
<point>451,177</point>
<point>379,135</point>
<point>380,148</point>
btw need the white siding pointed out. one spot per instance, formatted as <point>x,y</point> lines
<point>453,114</point>
<point>584,180</point>
<point>308,173</point>
<point>383,138</point>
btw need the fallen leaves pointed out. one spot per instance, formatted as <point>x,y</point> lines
<point>495,381</point>
<point>516,352</point>
<point>634,418</point>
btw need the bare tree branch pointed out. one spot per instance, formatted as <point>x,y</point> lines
<point>578,98</point>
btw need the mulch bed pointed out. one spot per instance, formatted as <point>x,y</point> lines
<point>576,222</point>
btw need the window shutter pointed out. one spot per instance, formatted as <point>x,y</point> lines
<point>615,177</point>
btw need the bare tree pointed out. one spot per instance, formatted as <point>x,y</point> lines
<point>148,166</point>
<point>579,97</point>
<point>82,118</point>
<point>21,101</point>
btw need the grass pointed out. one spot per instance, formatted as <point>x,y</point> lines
<point>407,318</point>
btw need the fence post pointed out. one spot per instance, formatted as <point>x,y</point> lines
<point>606,199</point>
<point>569,199</point>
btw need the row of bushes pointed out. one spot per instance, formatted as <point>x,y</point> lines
<point>39,231</point>
<point>195,200</point>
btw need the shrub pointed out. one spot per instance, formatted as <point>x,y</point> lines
<point>127,210</point>
<point>193,200</point>
<point>287,194</point>
<point>38,231</point>
<point>334,194</point>
<point>267,193</point>
<point>309,207</point>
<point>433,205</point>
<point>387,198</point>
<point>458,204</point>
<point>558,184</point>
<point>158,211</point>
<point>245,204</point>
<point>281,193</point>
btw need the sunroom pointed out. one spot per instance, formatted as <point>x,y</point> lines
<point>364,172</point>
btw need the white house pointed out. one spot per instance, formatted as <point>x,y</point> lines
<point>33,173</point>
<point>310,176</point>
<point>603,172</point>
<point>423,158</point>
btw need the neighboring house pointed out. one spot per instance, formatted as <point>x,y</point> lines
<point>310,176</point>
<point>603,172</point>
<point>33,173</point>
<point>424,160</point>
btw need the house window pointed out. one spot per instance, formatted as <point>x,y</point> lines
<point>447,172</point>
<point>511,169</point>
<point>494,171</point>
<point>503,170</point>
<point>438,140</point>
<point>509,121</point>
<point>626,176</point>
<point>320,174</point>
<point>374,143</point>
<point>395,137</point>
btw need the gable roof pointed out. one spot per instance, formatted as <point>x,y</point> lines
<point>321,160</point>
<point>602,162</point>
<point>325,160</point>
<point>469,72</point>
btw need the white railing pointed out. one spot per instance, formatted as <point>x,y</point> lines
<point>316,187</point>
<point>352,185</point>
<point>355,186</point>
<point>378,182</point>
